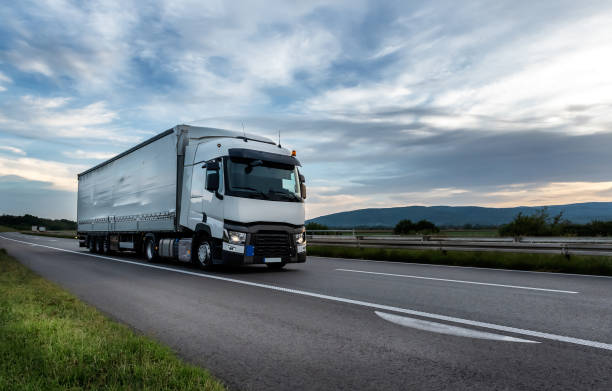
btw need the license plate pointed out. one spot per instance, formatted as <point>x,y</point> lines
<point>272,260</point>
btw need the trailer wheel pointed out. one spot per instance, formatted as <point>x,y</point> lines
<point>105,246</point>
<point>91,245</point>
<point>100,245</point>
<point>150,251</point>
<point>202,253</point>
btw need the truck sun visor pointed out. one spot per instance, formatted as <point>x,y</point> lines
<point>260,155</point>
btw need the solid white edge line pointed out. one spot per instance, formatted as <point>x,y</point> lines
<point>446,329</point>
<point>493,269</point>
<point>458,281</point>
<point>507,329</point>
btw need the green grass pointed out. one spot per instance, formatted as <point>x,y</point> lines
<point>53,234</point>
<point>49,340</point>
<point>6,229</point>
<point>597,265</point>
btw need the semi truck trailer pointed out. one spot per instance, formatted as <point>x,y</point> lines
<point>195,194</point>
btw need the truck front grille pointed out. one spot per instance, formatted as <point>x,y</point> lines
<point>272,244</point>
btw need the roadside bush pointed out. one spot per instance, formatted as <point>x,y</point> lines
<point>405,227</point>
<point>594,228</point>
<point>538,224</point>
<point>541,224</point>
<point>26,222</point>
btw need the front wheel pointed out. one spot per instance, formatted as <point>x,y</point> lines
<point>202,254</point>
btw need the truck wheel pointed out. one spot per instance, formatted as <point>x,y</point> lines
<point>105,246</point>
<point>100,245</point>
<point>276,266</point>
<point>202,254</point>
<point>91,244</point>
<point>149,250</point>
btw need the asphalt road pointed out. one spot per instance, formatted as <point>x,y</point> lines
<point>352,325</point>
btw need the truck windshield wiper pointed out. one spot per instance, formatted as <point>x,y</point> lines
<point>286,193</point>
<point>254,191</point>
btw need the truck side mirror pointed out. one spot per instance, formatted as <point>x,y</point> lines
<point>212,181</point>
<point>302,179</point>
<point>303,190</point>
<point>211,165</point>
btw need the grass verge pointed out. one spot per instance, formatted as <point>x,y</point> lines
<point>597,265</point>
<point>49,340</point>
<point>6,229</point>
<point>52,234</point>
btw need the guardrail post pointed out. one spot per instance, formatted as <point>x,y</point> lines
<point>565,251</point>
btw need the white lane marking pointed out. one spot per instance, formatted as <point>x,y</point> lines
<point>491,269</point>
<point>447,329</point>
<point>458,281</point>
<point>507,329</point>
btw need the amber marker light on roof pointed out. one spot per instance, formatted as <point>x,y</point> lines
<point>293,153</point>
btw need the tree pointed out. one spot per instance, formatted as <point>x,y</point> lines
<point>312,226</point>
<point>538,224</point>
<point>426,227</point>
<point>403,227</point>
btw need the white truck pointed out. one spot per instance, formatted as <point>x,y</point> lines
<point>201,195</point>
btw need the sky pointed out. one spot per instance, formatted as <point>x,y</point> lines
<point>388,103</point>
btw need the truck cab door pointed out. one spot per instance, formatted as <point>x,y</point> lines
<point>212,200</point>
<point>196,211</point>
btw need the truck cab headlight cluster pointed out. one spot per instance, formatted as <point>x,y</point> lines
<point>235,237</point>
<point>300,238</point>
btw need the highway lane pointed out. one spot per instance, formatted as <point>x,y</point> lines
<point>256,337</point>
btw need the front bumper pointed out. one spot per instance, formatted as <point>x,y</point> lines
<point>262,246</point>
<point>232,258</point>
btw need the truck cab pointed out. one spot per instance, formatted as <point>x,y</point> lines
<point>244,200</point>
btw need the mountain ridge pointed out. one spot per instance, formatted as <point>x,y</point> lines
<point>443,215</point>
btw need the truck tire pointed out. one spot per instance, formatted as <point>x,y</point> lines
<point>105,246</point>
<point>91,245</point>
<point>276,266</point>
<point>149,250</point>
<point>201,256</point>
<point>100,245</point>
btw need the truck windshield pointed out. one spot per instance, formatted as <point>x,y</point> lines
<point>261,179</point>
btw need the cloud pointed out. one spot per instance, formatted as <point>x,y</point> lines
<point>4,80</point>
<point>54,118</point>
<point>61,176</point>
<point>15,150</point>
<point>19,196</point>
<point>386,103</point>
<point>80,154</point>
<point>552,193</point>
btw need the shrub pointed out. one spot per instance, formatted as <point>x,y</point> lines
<point>312,226</point>
<point>405,227</point>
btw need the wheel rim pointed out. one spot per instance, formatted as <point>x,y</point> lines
<point>149,250</point>
<point>204,253</point>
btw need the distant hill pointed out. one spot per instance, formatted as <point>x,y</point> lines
<point>461,215</point>
<point>27,221</point>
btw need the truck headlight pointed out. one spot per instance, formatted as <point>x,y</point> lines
<point>235,237</point>
<point>300,238</point>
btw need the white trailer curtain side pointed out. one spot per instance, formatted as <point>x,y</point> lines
<point>135,191</point>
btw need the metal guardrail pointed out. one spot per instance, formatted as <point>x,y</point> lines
<point>550,245</point>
